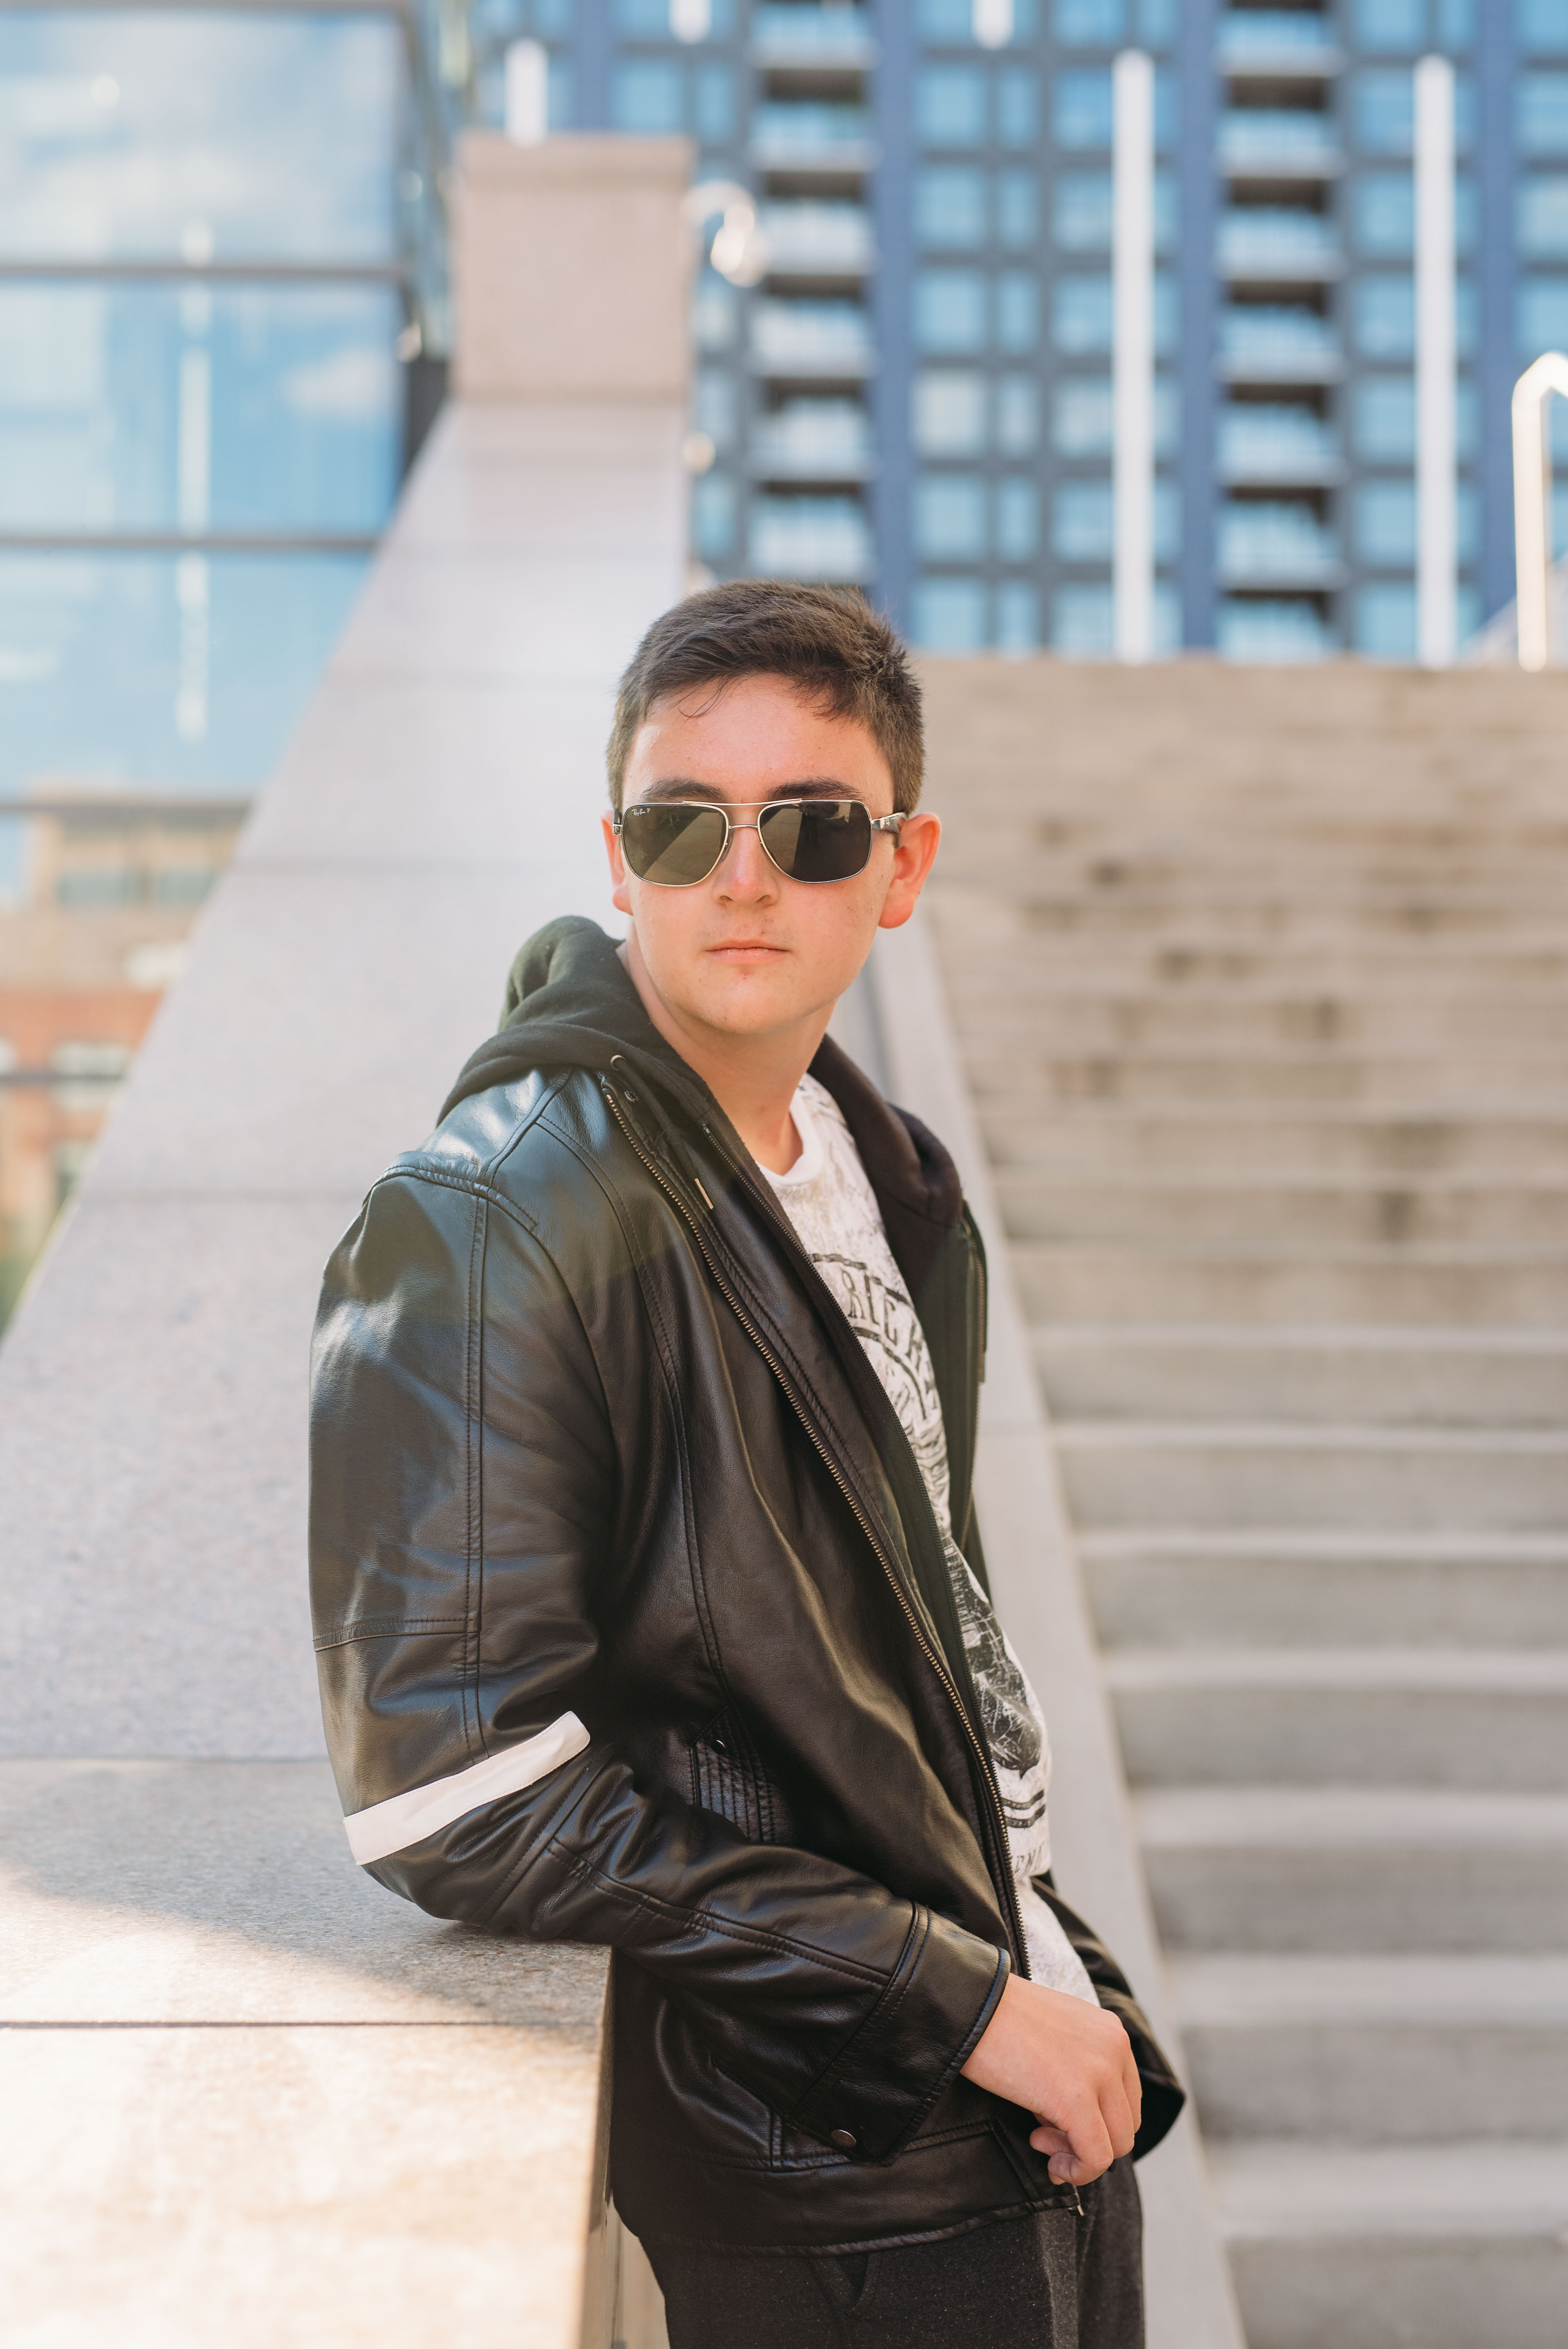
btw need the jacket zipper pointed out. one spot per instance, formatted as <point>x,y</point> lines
<point>895,1579</point>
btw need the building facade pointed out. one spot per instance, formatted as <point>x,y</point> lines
<point>916,396</point>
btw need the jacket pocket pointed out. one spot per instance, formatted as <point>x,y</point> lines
<point>727,1776</point>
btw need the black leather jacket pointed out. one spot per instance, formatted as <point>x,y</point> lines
<point>634,1627</point>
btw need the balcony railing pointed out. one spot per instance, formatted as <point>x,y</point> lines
<point>789,133</point>
<point>1275,342</point>
<point>1281,239</point>
<point>1297,36</point>
<point>813,440</point>
<point>1269,544</point>
<point>824,338</point>
<point>1283,141</point>
<point>805,34</point>
<point>1277,444</point>
<point>825,539</point>
<point>819,239</point>
<point>1273,628</point>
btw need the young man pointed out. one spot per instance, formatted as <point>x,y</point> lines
<point>648,1590</point>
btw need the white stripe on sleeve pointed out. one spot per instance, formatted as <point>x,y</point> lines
<point>403,1819</point>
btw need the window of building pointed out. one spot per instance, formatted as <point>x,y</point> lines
<point>1384,419</point>
<point>715,406</point>
<point>1399,26</point>
<point>715,108</point>
<point>950,106</point>
<point>950,517</point>
<point>1082,418</point>
<point>1386,622</point>
<point>1090,24</point>
<point>1017,106</point>
<point>1081,315</point>
<point>715,313</point>
<point>1383,111</point>
<point>1082,112</point>
<point>1544,27</point>
<point>948,412</point>
<point>645,96</point>
<point>1018,311</point>
<point>950,310</point>
<point>950,207</point>
<point>1543,217</point>
<point>1384,317</point>
<point>1081,211</point>
<point>713,510</point>
<point>1019,209</point>
<point>1543,105</point>
<point>948,616</point>
<point>1082,521</point>
<point>1018,616</point>
<point>950,21</point>
<point>1383,213</point>
<point>1543,315</point>
<point>1273,628</point>
<point>1017,520</point>
<point>1083,622</point>
<point>1386,523</point>
<point>1017,415</point>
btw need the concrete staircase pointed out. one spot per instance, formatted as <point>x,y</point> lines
<point>1261,982</point>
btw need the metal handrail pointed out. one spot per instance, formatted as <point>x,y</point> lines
<point>1532,504</point>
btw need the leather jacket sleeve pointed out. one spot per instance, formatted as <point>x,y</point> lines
<point>467,1513</point>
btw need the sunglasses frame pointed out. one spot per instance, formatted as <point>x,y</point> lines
<point>892,823</point>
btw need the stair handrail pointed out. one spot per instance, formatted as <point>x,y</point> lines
<point>1533,503</point>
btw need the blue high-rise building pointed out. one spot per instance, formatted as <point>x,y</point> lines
<point>917,395</point>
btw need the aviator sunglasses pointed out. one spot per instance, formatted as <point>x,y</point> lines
<point>678,843</point>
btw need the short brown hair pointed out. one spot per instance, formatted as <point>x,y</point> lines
<point>826,641</point>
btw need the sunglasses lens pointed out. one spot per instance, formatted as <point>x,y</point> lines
<point>673,846</point>
<point>818,840</point>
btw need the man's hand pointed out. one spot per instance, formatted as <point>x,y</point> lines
<point>1071,2066</point>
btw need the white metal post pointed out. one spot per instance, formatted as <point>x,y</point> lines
<point>1532,504</point>
<point>1133,356</point>
<point>525,88</point>
<point>1436,436</point>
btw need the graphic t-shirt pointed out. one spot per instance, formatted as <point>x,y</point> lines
<point>827,1197</point>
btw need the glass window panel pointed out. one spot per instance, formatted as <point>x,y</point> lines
<point>644,20</point>
<point>1543,105</point>
<point>288,401</point>
<point>950,310</point>
<point>1017,106</point>
<point>193,669</point>
<point>1386,622</point>
<point>1081,315</point>
<point>1018,311</point>
<point>950,106</point>
<point>250,135</point>
<point>1018,616</point>
<point>1156,22</point>
<point>1383,313</point>
<point>1082,417</point>
<point>1543,217</point>
<point>950,517</point>
<point>1383,213</point>
<point>1083,622</point>
<point>951,21</point>
<point>1543,315</point>
<point>1090,24</point>
<point>1544,27</point>
<point>949,616</point>
<point>1385,523</point>
<point>1082,523</point>
<point>948,412</point>
<point>1383,111</point>
<point>1385,419</point>
<point>1081,109</point>
<point>1017,520</point>
<point>950,206</point>
<point>715,104</point>
<point>1082,211</point>
<point>1167,522</point>
<point>645,96</point>
<point>1017,415</point>
<point>713,516</point>
<point>1019,208</point>
<point>715,407</point>
<point>1396,25</point>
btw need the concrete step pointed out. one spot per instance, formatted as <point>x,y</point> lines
<point>1463,925</point>
<point>1011,960</point>
<point>1384,1083</point>
<point>1392,2050</point>
<point>1432,1286</point>
<point>1451,1378</point>
<point>1317,1870</point>
<point>1148,1473</point>
<point>1109,1143</point>
<point>1084,1019</point>
<point>1339,2246</point>
<point>1484,1719</point>
<point>1334,1211</point>
<point>1211,1587</point>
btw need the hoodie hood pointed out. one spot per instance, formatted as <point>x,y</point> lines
<point>570,1003</point>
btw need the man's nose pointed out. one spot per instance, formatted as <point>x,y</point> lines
<point>745,870</point>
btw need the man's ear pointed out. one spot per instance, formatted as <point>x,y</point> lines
<point>912,859</point>
<point>620,884</point>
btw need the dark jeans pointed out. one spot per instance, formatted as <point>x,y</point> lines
<point>1050,2282</point>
